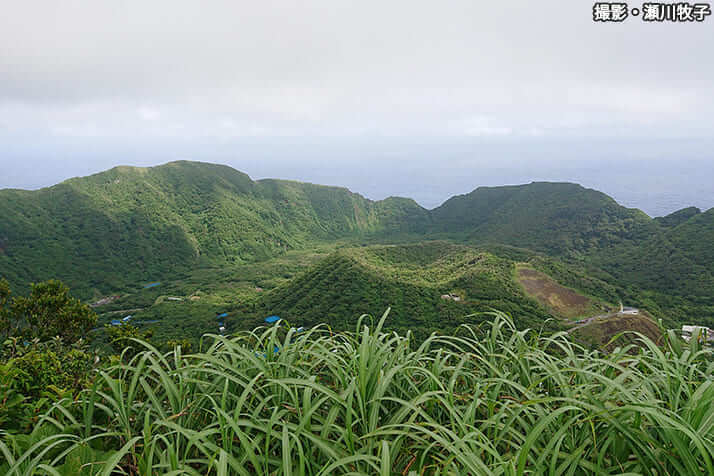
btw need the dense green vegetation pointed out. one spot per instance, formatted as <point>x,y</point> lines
<point>49,311</point>
<point>113,232</point>
<point>671,271</point>
<point>678,217</point>
<point>662,264</point>
<point>44,355</point>
<point>489,401</point>
<point>555,218</point>
<point>411,279</point>
<point>331,285</point>
<point>186,306</point>
<point>127,226</point>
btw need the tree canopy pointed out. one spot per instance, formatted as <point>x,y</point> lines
<point>48,311</point>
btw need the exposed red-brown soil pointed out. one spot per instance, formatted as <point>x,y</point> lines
<point>561,300</point>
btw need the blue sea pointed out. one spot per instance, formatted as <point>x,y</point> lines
<point>657,188</point>
<point>658,177</point>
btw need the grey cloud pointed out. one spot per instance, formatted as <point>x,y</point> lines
<point>187,78</point>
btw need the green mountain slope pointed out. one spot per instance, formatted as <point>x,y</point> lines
<point>665,263</point>
<point>695,237</point>
<point>412,280</point>
<point>676,259</point>
<point>556,218</point>
<point>678,217</point>
<point>132,225</point>
<point>674,269</point>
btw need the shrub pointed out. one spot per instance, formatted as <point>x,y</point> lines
<point>49,311</point>
<point>37,376</point>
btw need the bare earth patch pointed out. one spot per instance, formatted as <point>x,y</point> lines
<point>562,301</point>
<point>601,331</point>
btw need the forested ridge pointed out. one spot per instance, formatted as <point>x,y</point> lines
<point>130,224</point>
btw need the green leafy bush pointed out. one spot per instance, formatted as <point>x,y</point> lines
<point>43,355</point>
<point>37,376</point>
<point>48,311</point>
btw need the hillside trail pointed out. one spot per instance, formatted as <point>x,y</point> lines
<point>123,310</point>
<point>586,321</point>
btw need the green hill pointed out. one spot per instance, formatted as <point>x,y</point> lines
<point>695,237</point>
<point>673,268</point>
<point>665,263</point>
<point>678,217</point>
<point>420,283</point>
<point>555,218</point>
<point>131,225</point>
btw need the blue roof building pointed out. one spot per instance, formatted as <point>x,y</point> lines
<point>225,314</point>
<point>272,319</point>
<point>116,322</point>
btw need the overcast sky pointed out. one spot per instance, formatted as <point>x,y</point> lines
<point>333,90</point>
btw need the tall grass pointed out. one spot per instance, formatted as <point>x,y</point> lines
<point>491,400</point>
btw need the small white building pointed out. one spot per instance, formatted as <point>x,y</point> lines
<point>451,297</point>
